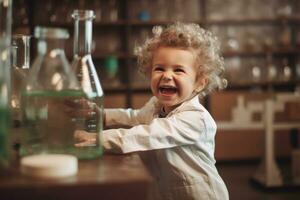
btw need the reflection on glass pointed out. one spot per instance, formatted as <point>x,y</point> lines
<point>286,70</point>
<point>256,71</point>
<point>5,39</point>
<point>284,8</point>
<point>251,41</point>
<point>20,67</point>
<point>231,43</point>
<point>233,69</point>
<point>271,68</point>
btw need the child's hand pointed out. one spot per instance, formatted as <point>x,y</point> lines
<point>84,138</point>
<point>81,108</point>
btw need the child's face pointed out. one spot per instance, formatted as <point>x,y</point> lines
<point>173,76</point>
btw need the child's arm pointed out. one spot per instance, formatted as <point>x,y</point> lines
<point>130,117</point>
<point>181,129</point>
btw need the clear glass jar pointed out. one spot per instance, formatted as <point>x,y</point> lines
<point>272,71</point>
<point>51,84</point>
<point>87,76</point>
<point>5,38</point>
<point>231,41</point>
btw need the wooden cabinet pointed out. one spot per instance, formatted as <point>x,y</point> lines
<point>255,35</point>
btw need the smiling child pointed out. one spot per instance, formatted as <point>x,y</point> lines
<point>173,133</point>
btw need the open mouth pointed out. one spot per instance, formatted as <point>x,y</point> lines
<point>167,90</point>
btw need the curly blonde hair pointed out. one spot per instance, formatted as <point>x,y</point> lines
<point>189,36</point>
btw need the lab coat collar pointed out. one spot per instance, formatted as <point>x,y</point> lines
<point>189,105</point>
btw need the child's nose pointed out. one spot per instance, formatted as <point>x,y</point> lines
<point>167,75</point>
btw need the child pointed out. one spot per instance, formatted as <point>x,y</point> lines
<point>173,132</point>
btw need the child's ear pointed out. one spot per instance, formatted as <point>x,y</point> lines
<point>201,83</point>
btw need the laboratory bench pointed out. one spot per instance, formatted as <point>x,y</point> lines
<point>109,177</point>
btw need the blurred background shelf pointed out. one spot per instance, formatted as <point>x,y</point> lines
<point>256,37</point>
<point>260,41</point>
<point>253,34</point>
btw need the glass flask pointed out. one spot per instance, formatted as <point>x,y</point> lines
<point>272,73</point>
<point>51,84</point>
<point>112,11</point>
<point>20,69</point>
<point>144,13</point>
<point>286,72</point>
<point>256,72</point>
<point>5,39</point>
<point>110,69</point>
<point>88,79</point>
<point>231,43</point>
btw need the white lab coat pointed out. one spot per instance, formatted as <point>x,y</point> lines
<point>178,149</point>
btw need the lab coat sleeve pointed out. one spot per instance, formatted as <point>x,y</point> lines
<point>180,129</point>
<point>126,117</point>
<point>131,117</point>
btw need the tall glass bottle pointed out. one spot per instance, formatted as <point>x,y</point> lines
<point>5,38</point>
<point>51,84</point>
<point>87,75</point>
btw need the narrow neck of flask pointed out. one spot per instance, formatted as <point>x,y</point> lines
<point>47,45</point>
<point>82,36</point>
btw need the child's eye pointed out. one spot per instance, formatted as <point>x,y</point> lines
<point>158,68</point>
<point>179,70</point>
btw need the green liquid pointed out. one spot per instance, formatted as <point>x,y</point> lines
<point>50,127</point>
<point>4,142</point>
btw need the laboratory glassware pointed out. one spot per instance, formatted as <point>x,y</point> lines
<point>5,48</point>
<point>87,76</point>
<point>50,86</point>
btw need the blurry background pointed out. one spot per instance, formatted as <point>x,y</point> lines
<point>260,41</point>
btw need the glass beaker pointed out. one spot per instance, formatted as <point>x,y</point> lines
<point>144,13</point>
<point>256,71</point>
<point>112,14</point>
<point>49,128</point>
<point>272,71</point>
<point>20,69</point>
<point>286,70</point>
<point>87,76</point>
<point>231,43</point>
<point>5,39</point>
<point>110,69</point>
